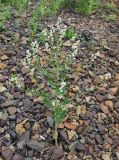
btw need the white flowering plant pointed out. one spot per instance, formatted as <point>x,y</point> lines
<point>50,57</point>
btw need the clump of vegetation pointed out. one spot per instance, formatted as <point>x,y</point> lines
<point>5,14</point>
<point>86,7</point>
<point>110,7</point>
<point>111,12</point>
<point>111,17</point>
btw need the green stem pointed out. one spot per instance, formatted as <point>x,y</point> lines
<point>56,133</point>
<point>57,63</point>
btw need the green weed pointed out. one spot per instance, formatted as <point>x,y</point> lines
<point>69,34</point>
<point>5,14</point>
<point>87,7</point>
<point>111,17</point>
<point>110,7</point>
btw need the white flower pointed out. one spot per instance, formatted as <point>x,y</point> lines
<point>63,84</point>
<point>28,52</point>
<point>46,45</point>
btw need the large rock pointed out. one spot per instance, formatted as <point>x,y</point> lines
<point>57,153</point>
<point>35,145</point>
<point>80,147</point>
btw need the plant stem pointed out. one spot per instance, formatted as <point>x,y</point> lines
<point>56,133</point>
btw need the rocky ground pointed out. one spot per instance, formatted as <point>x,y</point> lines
<point>90,131</point>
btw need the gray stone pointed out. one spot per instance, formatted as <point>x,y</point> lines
<point>80,147</point>
<point>35,145</point>
<point>50,121</point>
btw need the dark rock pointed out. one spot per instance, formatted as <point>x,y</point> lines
<point>12,133</point>
<point>99,139</point>
<point>64,136</point>
<point>7,104</point>
<point>57,153</point>
<point>100,98</point>
<point>80,147</point>
<point>101,128</point>
<point>17,95</point>
<point>116,105</point>
<point>35,145</point>
<point>7,154</point>
<point>30,153</point>
<point>50,121</point>
<point>17,156</point>
<point>27,103</point>
<point>12,117</point>
<point>23,140</point>
<point>90,141</point>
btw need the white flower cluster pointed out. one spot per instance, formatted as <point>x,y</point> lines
<point>75,48</point>
<point>32,55</point>
<point>63,84</point>
<point>55,35</point>
<point>17,80</point>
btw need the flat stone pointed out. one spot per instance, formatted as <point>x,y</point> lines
<point>57,153</point>
<point>12,133</point>
<point>24,139</point>
<point>109,104</point>
<point>50,121</point>
<point>100,98</point>
<point>4,57</point>
<point>7,154</point>
<point>80,147</point>
<point>12,117</point>
<point>27,103</point>
<point>101,128</point>
<point>78,111</point>
<point>3,78</point>
<point>3,116</point>
<point>99,139</point>
<point>70,126</point>
<point>104,109</point>
<point>64,136</point>
<point>17,156</point>
<point>36,126</point>
<point>9,96</point>
<point>7,104</point>
<point>113,91</point>
<point>12,110</point>
<point>35,145</point>
<point>24,70</point>
<point>2,88</point>
<point>17,95</point>
<point>106,156</point>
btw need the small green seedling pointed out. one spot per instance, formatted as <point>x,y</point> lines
<point>69,34</point>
